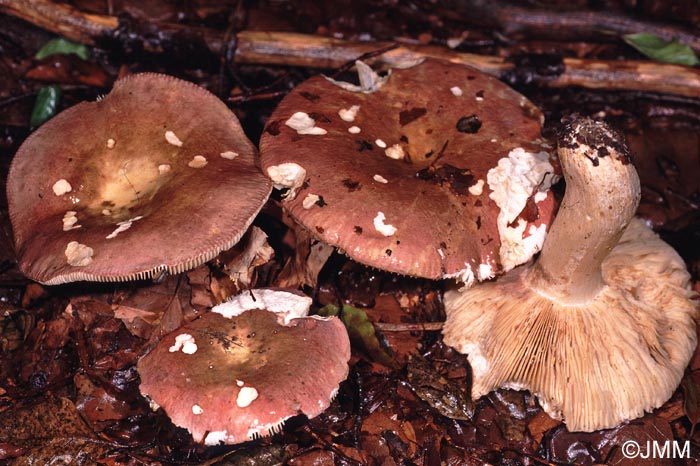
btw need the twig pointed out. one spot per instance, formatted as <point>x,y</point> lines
<point>290,49</point>
<point>514,20</point>
<point>421,327</point>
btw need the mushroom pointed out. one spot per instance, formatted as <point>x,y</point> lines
<point>239,372</point>
<point>601,327</point>
<point>138,183</point>
<point>407,176</point>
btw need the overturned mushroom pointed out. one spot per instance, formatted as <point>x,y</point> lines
<point>252,363</point>
<point>601,327</point>
<point>416,178</point>
<point>133,185</point>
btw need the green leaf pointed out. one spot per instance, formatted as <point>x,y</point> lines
<point>360,331</point>
<point>658,49</point>
<point>45,106</point>
<point>62,46</point>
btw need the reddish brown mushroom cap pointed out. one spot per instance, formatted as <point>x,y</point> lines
<point>157,176</point>
<point>247,374</point>
<point>403,178</point>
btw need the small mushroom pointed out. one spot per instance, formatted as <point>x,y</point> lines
<point>601,327</point>
<point>258,361</point>
<point>459,205</point>
<point>158,196</point>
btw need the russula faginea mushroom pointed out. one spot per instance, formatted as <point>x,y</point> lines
<point>142,179</point>
<point>252,363</point>
<point>415,179</point>
<point>601,327</point>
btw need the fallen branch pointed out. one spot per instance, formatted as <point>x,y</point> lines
<point>290,49</point>
<point>516,21</point>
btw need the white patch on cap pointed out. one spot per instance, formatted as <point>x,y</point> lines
<point>441,253</point>
<point>465,276</point>
<point>494,140</point>
<point>479,98</point>
<point>196,409</point>
<point>111,143</point>
<point>61,187</point>
<point>309,201</point>
<point>354,130</point>
<point>456,91</point>
<point>513,181</point>
<point>240,383</point>
<point>78,255</point>
<point>454,42</point>
<point>229,154</point>
<point>164,168</point>
<point>348,114</point>
<point>485,272</point>
<point>217,437</point>
<point>197,161</point>
<point>106,212</point>
<point>380,179</point>
<point>380,143</point>
<point>477,188</point>
<point>123,226</point>
<point>287,175</point>
<point>381,227</point>
<point>286,305</point>
<point>69,220</point>
<point>302,123</point>
<point>395,152</point>
<point>246,396</point>
<point>185,343</point>
<point>172,139</point>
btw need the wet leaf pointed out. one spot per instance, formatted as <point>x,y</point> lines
<point>360,330</point>
<point>448,397</point>
<point>62,46</point>
<point>45,106</point>
<point>660,50</point>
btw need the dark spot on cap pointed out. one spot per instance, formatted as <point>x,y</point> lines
<point>388,252</point>
<point>273,127</point>
<point>321,202</point>
<point>478,222</point>
<point>357,229</point>
<point>404,139</point>
<point>407,116</point>
<point>443,245</point>
<point>459,180</point>
<point>480,94</point>
<point>320,230</point>
<point>478,203</point>
<point>429,154</point>
<point>351,185</point>
<point>471,78</point>
<point>363,145</point>
<point>309,96</point>
<point>469,124</point>
<point>319,117</point>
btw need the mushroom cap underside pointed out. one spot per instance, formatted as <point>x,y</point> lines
<point>595,366</point>
<point>156,176</point>
<point>430,213</point>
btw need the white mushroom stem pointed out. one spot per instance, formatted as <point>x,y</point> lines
<point>600,181</point>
